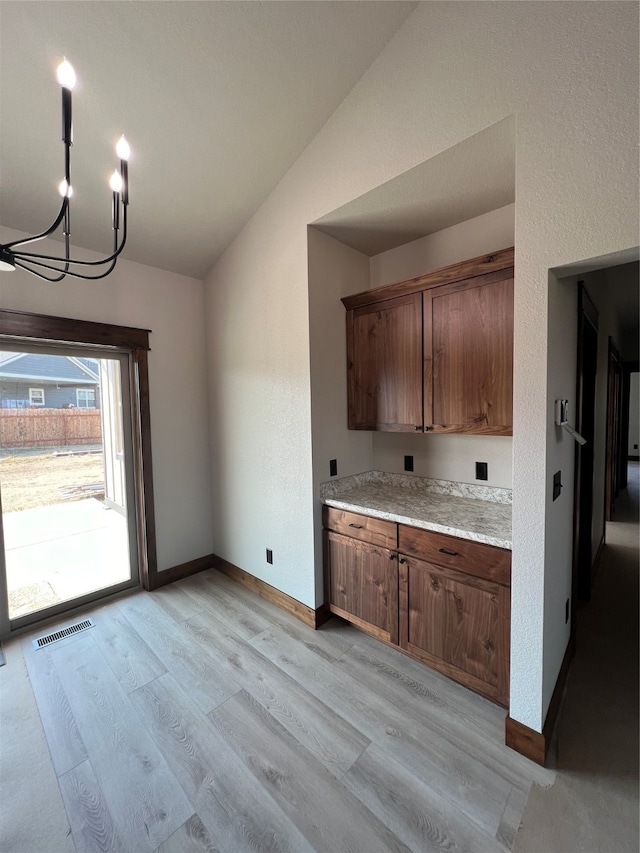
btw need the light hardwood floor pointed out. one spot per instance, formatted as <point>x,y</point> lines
<point>594,803</point>
<point>200,718</point>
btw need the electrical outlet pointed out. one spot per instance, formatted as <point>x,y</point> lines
<point>333,467</point>
<point>482,471</point>
<point>269,555</point>
<point>566,611</point>
<point>557,484</point>
<point>408,463</point>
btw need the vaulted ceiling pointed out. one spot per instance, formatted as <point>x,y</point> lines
<point>218,100</point>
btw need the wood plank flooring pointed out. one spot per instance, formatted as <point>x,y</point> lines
<point>201,718</point>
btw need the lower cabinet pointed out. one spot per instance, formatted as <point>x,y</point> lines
<point>457,624</point>
<point>442,600</point>
<point>363,585</point>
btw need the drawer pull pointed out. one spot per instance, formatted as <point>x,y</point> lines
<point>401,560</point>
<point>450,553</point>
<point>357,526</point>
<point>392,556</point>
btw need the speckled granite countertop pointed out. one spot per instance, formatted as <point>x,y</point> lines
<point>479,513</point>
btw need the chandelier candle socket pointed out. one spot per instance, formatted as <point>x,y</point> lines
<point>12,256</point>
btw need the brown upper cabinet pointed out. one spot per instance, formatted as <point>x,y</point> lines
<point>384,351</point>
<point>434,353</point>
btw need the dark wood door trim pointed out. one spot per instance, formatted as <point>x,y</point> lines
<point>586,306</point>
<point>628,368</point>
<point>614,395</point>
<point>135,342</point>
<point>586,365</point>
<point>143,471</point>
<point>20,324</point>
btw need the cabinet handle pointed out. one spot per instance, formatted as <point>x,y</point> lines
<point>450,553</point>
<point>392,556</point>
<point>427,428</point>
<point>401,560</point>
<point>419,429</point>
<point>357,526</point>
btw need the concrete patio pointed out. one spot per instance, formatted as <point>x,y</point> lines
<point>58,553</point>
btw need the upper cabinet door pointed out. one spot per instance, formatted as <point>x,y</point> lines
<point>468,364</point>
<point>384,351</point>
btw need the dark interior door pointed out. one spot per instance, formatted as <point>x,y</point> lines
<point>586,394</point>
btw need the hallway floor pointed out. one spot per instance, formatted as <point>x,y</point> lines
<point>593,804</point>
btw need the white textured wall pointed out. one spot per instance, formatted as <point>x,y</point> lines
<point>634,414</point>
<point>171,306</point>
<point>446,457</point>
<point>569,72</point>
<point>256,305</point>
<point>335,270</point>
<point>558,545</point>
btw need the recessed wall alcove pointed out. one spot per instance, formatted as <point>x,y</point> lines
<point>456,205</point>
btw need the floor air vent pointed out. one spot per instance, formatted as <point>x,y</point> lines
<point>65,632</point>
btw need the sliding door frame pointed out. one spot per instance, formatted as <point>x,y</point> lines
<point>19,326</point>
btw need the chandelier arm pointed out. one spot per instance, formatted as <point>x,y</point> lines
<point>27,256</point>
<point>38,260</point>
<point>39,274</point>
<point>63,273</point>
<point>111,260</point>
<point>50,230</point>
<point>34,258</point>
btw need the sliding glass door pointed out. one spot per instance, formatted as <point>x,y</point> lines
<point>69,524</point>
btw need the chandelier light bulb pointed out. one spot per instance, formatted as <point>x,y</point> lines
<point>65,189</point>
<point>115,182</point>
<point>66,74</point>
<point>122,148</point>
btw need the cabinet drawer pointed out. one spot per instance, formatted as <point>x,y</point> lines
<point>473,558</point>
<point>374,530</point>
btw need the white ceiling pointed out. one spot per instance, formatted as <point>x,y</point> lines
<point>217,99</point>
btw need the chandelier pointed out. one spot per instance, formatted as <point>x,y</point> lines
<point>55,268</point>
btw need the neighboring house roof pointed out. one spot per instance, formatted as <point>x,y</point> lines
<point>90,363</point>
<point>34,367</point>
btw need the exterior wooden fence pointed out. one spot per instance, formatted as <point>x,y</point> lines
<point>49,427</point>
